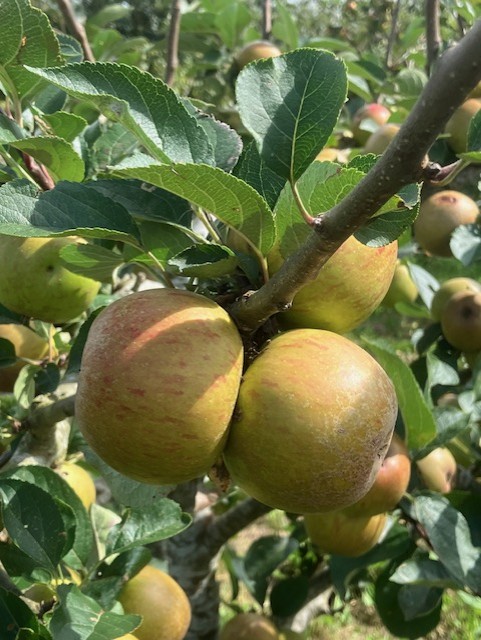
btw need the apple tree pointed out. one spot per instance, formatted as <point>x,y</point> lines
<point>190,314</point>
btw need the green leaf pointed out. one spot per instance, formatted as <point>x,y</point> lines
<point>10,131</point>
<point>474,133</point>
<point>108,14</point>
<point>289,595</point>
<point>34,522</point>
<point>15,615</point>
<point>163,241</point>
<point>424,571</point>
<point>426,283</point>
<point>80,617</point>
<point>290,105</point>
<point>64,125</point>
<point>465,243</point>
<point>27,39</point>
<point>56,486</point>
<point>386,228</point>
<point>226,143</point>
<point>145,105</point>
<point>7,353</point>
<point>111,147</point>
<point>205,261</point>
<point>69,208</point>
<point>141,526</point>
<point>417,417</point>
<point>263,556</point>
<point>386,597</point>
<point>76,350</point>
<point>450,537</point>
<point>233,201</point>
<point>418,600</point>
<point>230,21</point>
<point>253,170</point>
<point>284,27</point>
<point>58,156</point>
<point>91,260</point>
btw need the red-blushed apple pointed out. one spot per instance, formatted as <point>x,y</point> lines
<point>36,284</point>
<point>348,288</point>
<point>438,470</point>
<point>390,484</point>
<point>342,534</point>
<point>158,383</point>
<point>314,420</point>
<point>439,215</point>
<point>162,603</point>
<point>374,111</point>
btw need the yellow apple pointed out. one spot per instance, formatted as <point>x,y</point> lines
<point>402,287</point>
<point>379,141</point>
<point>446,292</point>
<point>249,626</point>
<point>80,481</point>
<point>257,50</point>
<point>162,603</point>
<point>438,470</point>
<point>458,125</point>
<point>461,321</point>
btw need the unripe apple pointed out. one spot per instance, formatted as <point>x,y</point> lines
<point>28,344</point>
<point>162,603</point>
<point>328,154</point>
<point>402,287</point>
<point>257,50</point>
<point>249,626</point>
<point>390,484</point>
<point>34,282</point>
<point>80,481</point>
<point>458,125</point>
<point>379,141</point>
<point>311,406</point>
<point>446,292</point>
<point>342,534</point>
<point>159,379</point>
<point>348,288</point>
<point>461,321</point>
<point>439,215</point>
<point>438,470</point>
<point>373,111</point>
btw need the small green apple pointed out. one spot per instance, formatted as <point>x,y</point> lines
<point>458,125</point>
<point>438,470</point>
<point>461,321</point>
<point>34,282</point>
<point>374,111</point>
<point>447,290</point>
<point>257,50</point>
<point>379,141</point>
<point>402,287</point>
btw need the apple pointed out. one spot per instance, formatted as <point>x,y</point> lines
<point>158,383</point>
<point>446,292</point>
<point>461,321</point>
<point>390,484</point>
<point>327,154</point>
<point>162,603</point>
<point>34,282</point>
<point>439,215</point>
<point>458,125</point>
<point>344,535</point>
<point>249,626</point>
<point>28,344</point>
<point>374,111</point>
<point>438,470</point>
<point>257,50</point>
<point>312,405</point>
<point>402,287</point>
<point>129,636</point>
<point>348,288</point>
<point>379,141</point>
<point>80,481</point>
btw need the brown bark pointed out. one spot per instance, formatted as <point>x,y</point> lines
<point>76,28</point>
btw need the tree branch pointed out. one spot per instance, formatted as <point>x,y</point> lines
<point>458,72</point>
<point>75,28</point>
<point>266,20</point>
<point>433,33</point>
<point>393,33</point>
<point>173,43</point>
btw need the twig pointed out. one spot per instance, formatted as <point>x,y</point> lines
<point>76,28</point>
<point>222,528</point>
<point>173,43</point>
<point>433,33</point>
<point>266,19</point>
<point>39,172</point>
<point>393,33</point>
<point>456,74</point>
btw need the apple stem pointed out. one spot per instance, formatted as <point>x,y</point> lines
<point>300,205</point>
